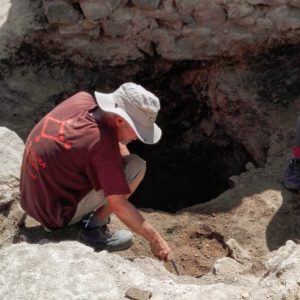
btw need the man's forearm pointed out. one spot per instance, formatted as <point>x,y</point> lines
<point>132,218</point>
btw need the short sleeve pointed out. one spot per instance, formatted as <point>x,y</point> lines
<point>105,166</point>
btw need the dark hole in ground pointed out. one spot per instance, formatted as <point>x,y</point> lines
<point>178,179</point>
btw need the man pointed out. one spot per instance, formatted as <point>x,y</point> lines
<point>291,179</point>
<point>76,163</point>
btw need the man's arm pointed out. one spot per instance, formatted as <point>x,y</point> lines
<point>132,218</point>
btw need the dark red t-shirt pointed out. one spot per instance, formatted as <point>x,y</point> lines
<point>67,154</point>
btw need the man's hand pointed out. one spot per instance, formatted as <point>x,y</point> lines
<point>131,217</point>
<point>161,249</point>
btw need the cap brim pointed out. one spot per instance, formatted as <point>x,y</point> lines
<point>148,135</point>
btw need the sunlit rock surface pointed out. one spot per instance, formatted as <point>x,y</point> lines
<point>71,270</point>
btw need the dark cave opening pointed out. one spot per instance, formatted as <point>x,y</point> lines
<point>177,179</point>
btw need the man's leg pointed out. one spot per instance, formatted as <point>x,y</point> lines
<point>91,202</point>
<point>97,233</point>
<point>134,169</point>
<point>291,179</point>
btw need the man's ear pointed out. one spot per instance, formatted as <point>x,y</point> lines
<point>120,122</point>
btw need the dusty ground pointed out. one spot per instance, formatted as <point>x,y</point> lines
<point>196,246</point>
<point>257,212</point>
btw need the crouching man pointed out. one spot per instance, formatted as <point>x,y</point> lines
<point>76,166</point>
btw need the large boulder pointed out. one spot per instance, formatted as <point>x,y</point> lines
<point>11,150</point>
<point>71,270</point>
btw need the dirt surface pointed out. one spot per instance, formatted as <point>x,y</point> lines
<point>195,247</point>
<point>257,212</point>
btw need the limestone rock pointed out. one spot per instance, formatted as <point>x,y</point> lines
<point>11,150</point>
<point>294,3</point>
<point>82,27</point>
<point>238,253</point>
<point>17,20</point>
<point>227,266</point>
<point>118,23</point>
<point>209,13</point>
<point>146,4</point>
<point>77,272</point>
<point>219,28</point>
<point>98,9</point>
<point>284,18</point>
<point>186,7</point>
<point>60,12</point>
<point>138,294</point>
<point>258,2</point>
<point>238,9</point>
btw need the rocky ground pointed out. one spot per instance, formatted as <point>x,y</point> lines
<point>241,228</point>
<point>257,212</point>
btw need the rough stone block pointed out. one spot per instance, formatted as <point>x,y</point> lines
<point>249,21</point>
<point>169,6</point>
<point>227,265</point>
<point>238,10</point>
<point>138,294</point>
<point>187,7</point>
<point>263,2</point>
<point>146,4</point>
<point>95,10</point>
<point>294,3</point>
<point>281,18</point>
<point>60,12</point>
<point>79,29</point>
<point>264,25</point>
<point>11,149</point>
<point>209,14</point>
<point>118,23</point>
<point>141,23</point>
<point>165,18</point>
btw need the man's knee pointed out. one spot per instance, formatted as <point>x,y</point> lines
<point>134,167</point>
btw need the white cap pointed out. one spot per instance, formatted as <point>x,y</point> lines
<point>135,105</point>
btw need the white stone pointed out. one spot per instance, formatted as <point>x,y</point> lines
<point>71,270</point>
<point>11,150</point>
<point>238,9</point>
<point>17,19</point>
<point>5,6</point>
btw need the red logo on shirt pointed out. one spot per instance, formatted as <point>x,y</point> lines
<point>52,129</point>
<point>34,162</point>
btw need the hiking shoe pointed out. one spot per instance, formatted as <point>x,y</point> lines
<point>106,238</point>
<point>291,179</point>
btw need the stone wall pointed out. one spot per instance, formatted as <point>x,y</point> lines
<point>123,30</point>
